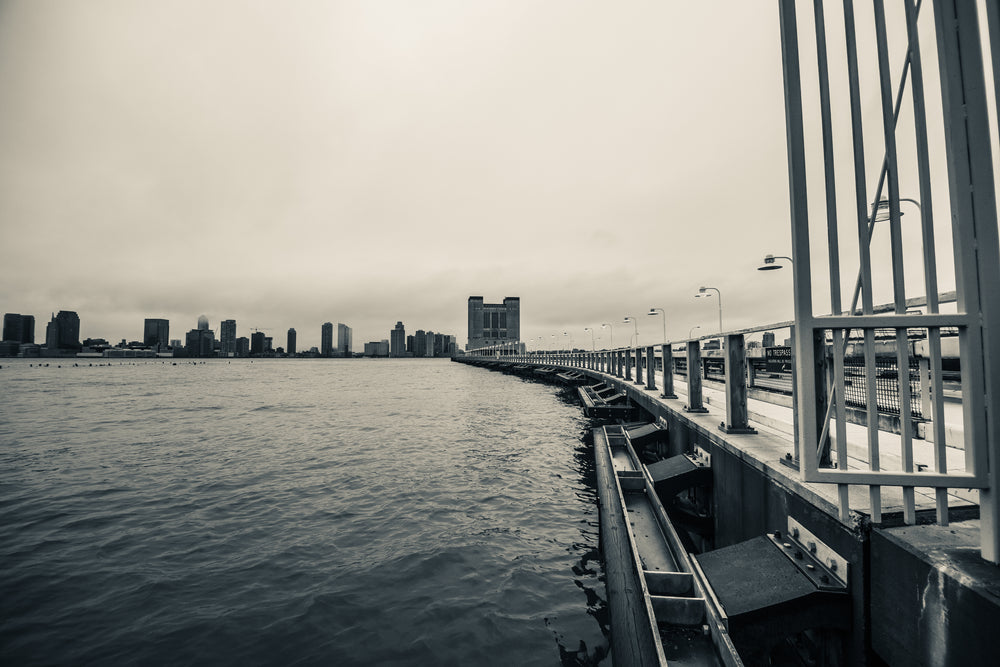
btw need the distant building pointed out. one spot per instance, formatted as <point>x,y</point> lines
<point>377,349</point>
<point>493,323</point>
<point>200,343</point>
<point>156,333</point>
<point>397,341</point>
<point>202,323</point>
<point>344,335</point>
<point>19,328</point>
<point>268,344</point>
<point>409,345</point>
<point>257,343</point>
<point>767,340</point>
<point>326,340</point>
<point>63,333</point>
<point>291,343</point>
<point>420,343</point>
<point>429,344</point>
<point>227,338</point>
<point>175,343</point>
<point>242,346</point>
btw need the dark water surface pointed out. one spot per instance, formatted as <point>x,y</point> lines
<point>341,512</point>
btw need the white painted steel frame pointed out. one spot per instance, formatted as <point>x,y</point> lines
<point>977,261</point>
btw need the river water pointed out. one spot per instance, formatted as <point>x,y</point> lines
<point>294,512</point>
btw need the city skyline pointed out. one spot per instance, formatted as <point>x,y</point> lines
<point>156,161</point>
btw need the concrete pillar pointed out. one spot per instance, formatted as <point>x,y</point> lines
<point>650,368</point>
<point>638,365</point>
<point>736,387</point>
<point>694,377</point>
<point>628,365</point>
<point>668,371</point>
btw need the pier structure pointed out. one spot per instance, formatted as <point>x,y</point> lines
<point>872,439</point>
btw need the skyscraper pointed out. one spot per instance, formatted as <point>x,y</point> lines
<point>227,338</point>
<point>493,323</point>
<point>257,342</point>
<point>156,333</point>
<point>63,332</point>
<point>326,340</point>
<point>19,328</point>
<point>420,343</point>
<point>397,341</point>
<point>290,347</point>
<point>200,343</point>
<point>203,323</point>
<point>344,340</point>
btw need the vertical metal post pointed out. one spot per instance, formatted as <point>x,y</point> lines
<point>737,416</point>
<point>976,247</point>
<point>668,371</point>
<point>694,378</point>
<point>650,368</point>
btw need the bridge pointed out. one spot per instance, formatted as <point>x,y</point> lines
<point>876,430</point>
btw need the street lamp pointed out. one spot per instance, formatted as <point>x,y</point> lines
<point>629,318</point>
<point>691,330</point>
<point>880,210</point>
<point>653,311</point>
<point>704,290</point>
<point>593,343</point>
<point>612,343</point>
<point>769,263</point>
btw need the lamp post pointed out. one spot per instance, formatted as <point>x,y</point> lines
<point>769,263</point>
<point>593,343</point>
<point>653,311</point>
<point>629,318</point>
<point>612,344</point>
<point>691,330</point>
<point>704,290</point>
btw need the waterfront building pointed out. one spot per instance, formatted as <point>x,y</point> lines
<point>257,343</point>
<point>326,340</point>
<point>202,323</point>
<point>200,343</point>
<point>290,346</point>
<point>420,343</point>
<point>176,343</point>
<point>429,344</point>
<point>19,328</point>
<point>377,349</point>
<point>493,323</point>
<point>63,332</point>
<point>344,334</point>
<point>397,339</point>
<point>242,346</point>
<point>156,333</point>
<point>227,338</point>
<point>268,344</point>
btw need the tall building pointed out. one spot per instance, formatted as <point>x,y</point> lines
<point>420,343</point>
<point>377,349</point>
<point>429,344</point>
<point>242,346</point>
<point>290,346</point>
<point>19,328</point>
<point>202,323</point>
<point>156,333</point>
<point>257,342</point>
<point>344,340</point>
<point>200,343</point>
<point>397,341</point>
<point>63,332</point>
<point>227,338</point>
<point>493,323</point>
<point>326,340</point>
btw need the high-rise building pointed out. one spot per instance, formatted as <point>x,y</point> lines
<point>429,344</point>
<point>420,343</point>
<point>344,340</point>
<point>767,339</point>
<point>156,333</point>
<point>242,346</point>
<point>493,323</point>
<point>19,328</point>
<point>63,332</point>
<point>203,323</point>
<point>290,347</point>
<point>326,340</point>
<point>200,343</point>
<point>257,342</point>
<point>227,338</point>
<point>397,341</point>
<point>377,349</point>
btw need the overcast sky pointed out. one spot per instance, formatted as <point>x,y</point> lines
<point>291,163</point>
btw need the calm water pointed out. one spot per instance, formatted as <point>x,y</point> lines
<point>348,512</point>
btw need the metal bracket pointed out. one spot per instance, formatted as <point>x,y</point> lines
<point>822,565</point>
<point>701,457</point>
